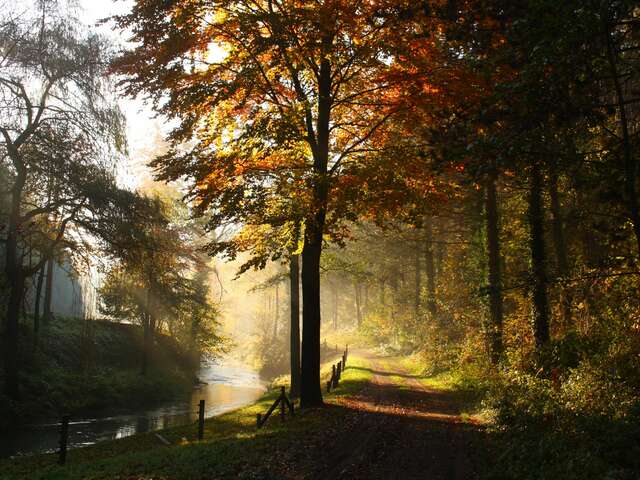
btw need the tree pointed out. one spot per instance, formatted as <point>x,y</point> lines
<point>57,120</point>
<point>158,279</point>
<point>294,324</point>
<point>283,99</point>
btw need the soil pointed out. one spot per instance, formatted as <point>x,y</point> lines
<point>396,428</point>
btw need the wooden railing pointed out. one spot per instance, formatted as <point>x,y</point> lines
<point>64,433</point>
<point>284,403</point>
<point>336,371</point>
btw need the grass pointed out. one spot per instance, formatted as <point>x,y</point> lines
<point>232,447</point>
<point>343,337</point>
<point>466,394</point>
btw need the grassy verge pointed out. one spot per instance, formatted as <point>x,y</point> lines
<point>233,447</point>
<point>467,393</point>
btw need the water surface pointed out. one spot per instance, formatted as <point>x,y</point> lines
<point>227,386</point>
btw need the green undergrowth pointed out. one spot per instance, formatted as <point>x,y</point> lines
<point>581,427</point>
<point>583,424</point>
<point>579,420</point>
<point>83,367</point>
<point>232,447</point>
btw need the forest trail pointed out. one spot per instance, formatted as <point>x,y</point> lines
<point>401,429</point>
<point>382,422</point>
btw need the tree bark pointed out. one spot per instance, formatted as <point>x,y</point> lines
<point>418,281</point>
<point>495,275</point>
<point>335,306</point>
<point>11,337</point>
<point>629,163</point>
<point>356,287</point>
<point>429,267</point>
<point>16,279</point>
<point>560,246</point>
<point>146,335</point>
<point>276,313</point>
<point>194,351</point>
<point>365,303</point>
<point>147,328</point>
<point>47,314</point>
<point>294,277</point>
<point>36,307</point>
<point>439,267</point>
<point>310,391</point>
<point>538,259</point>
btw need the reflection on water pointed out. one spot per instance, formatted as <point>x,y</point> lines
<point>226,387</point>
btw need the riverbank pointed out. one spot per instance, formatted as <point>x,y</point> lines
<point>84,368</point>
<point>226,385</point>
<point>380,420</point>
<point>231,445</point>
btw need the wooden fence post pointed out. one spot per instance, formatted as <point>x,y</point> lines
<point>64,437</point>
<point>201,420</point>
<point>282,403</point>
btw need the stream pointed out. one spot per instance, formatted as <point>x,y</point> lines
<point>225,387</point>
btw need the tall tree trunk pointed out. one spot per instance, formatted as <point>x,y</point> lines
<point>629,164</point>
<point>356,287</point>
<point>439,266</point>
<point>268,314</point>
<point>36,307</point>
<point>194,353</point>
<point>365,303</point>
<point>294,277</point>
<point>560,246</point>
<point>16,279</point>
<point>417,283</point>
<point>276,316</point>
<point>429,267</point>
<point>11,337</point>
<point>495,275</point>
<point>147,333</point>
<point>335,306</point>
<point>310,392</point>
<point>47,314</point>
<point>538,258</point>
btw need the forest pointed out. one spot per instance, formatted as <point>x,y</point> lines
<point>443,195</point>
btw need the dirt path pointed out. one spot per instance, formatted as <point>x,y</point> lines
<point>400,429</point>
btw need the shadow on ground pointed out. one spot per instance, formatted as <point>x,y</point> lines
<point>382,431</point>
<point>394,433</point>
<point>386,373</point>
